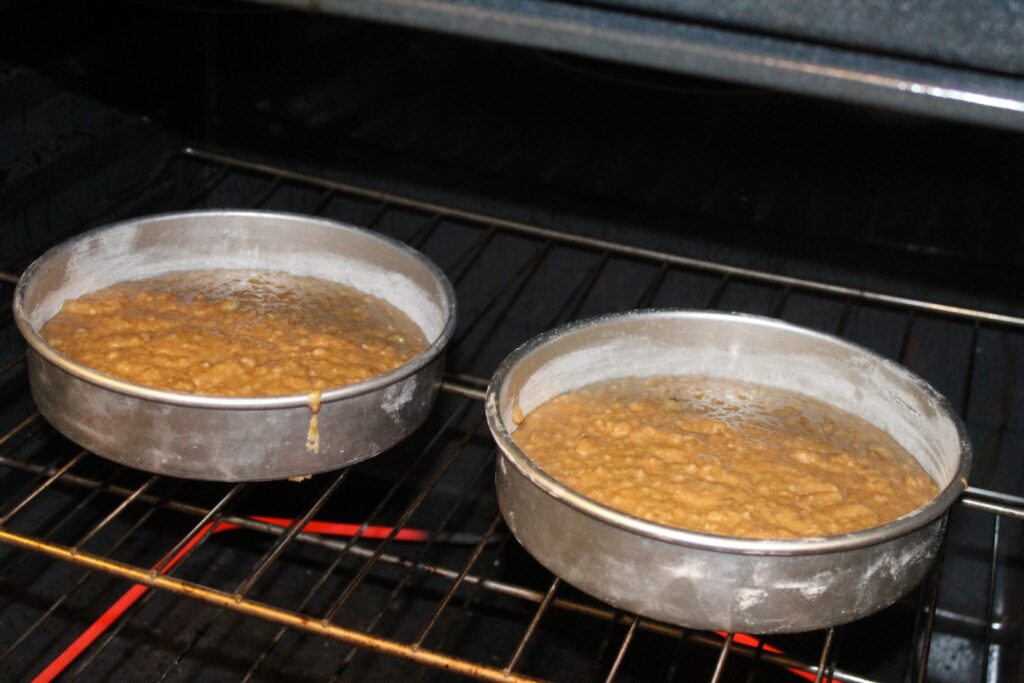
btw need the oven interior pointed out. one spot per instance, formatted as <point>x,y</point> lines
<point>549,188</point>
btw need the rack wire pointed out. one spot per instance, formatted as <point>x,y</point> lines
<point>453,442</point>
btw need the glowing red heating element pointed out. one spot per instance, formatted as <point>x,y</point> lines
<point>751,641</point>
<point>132,595</point>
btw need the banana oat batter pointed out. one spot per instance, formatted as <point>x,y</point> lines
<point>724,457</point>
<point>235,333</point>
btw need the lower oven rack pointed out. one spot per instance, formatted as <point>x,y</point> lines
<point>457,441</point>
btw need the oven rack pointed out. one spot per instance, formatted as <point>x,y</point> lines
<point>471,580</point>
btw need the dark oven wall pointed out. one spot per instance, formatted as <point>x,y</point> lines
<point>126,108</point>
<point>723,164</point>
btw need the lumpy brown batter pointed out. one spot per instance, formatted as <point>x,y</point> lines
<point>235,333</point>
<point>724,457</point>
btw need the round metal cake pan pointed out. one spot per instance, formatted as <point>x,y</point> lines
<point>706,581</point>
<point>221,438</point>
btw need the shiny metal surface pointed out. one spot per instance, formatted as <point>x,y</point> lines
<point>233,439</point>
<point>738,43</point>
<point>713,582</point>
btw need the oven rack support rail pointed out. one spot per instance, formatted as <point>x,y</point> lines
<point>469,391</point>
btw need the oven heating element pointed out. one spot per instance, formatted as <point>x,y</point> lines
<point>83,516</point>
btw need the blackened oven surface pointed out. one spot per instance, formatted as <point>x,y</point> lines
<point>548,190</point>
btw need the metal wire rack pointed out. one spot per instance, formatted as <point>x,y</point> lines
<point>68,505</point>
